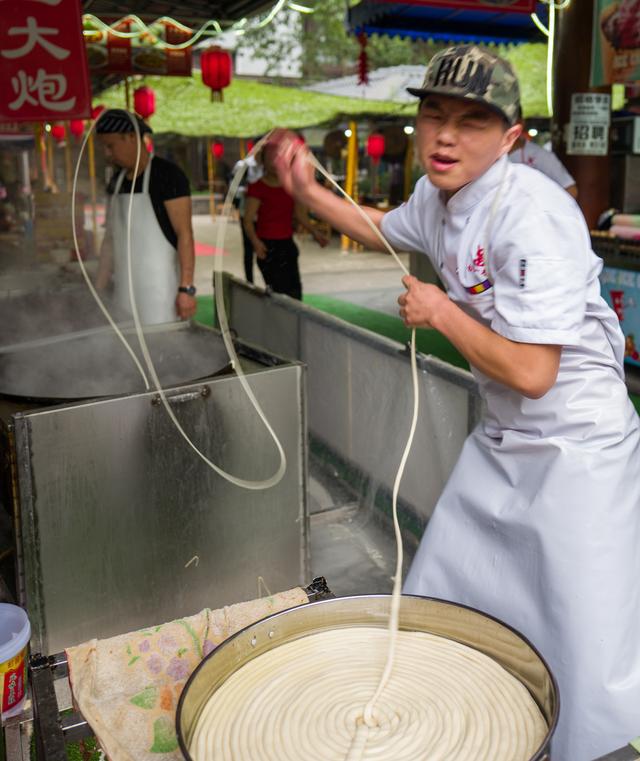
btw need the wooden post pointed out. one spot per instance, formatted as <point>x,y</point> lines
<point>351,175</point>
<point>127,94</point>
<point>243,150</point>
<point>572,68</point>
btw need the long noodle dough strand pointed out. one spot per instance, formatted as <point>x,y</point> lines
<point>433,699</point>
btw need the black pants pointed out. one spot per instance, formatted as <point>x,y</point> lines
<point>280,268</point>
<point>248,256</point>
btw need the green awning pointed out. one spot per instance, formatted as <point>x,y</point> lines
<point>183,106</point>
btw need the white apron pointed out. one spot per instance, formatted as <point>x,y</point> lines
<point>539,523</point>
<point>154,261</point>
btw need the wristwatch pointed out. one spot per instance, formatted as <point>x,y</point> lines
<point>189,289</point>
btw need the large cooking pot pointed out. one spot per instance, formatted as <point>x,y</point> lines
<point>56,346</point>
<point>94,363</point>
<point>456,622</point>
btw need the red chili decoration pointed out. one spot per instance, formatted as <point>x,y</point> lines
<point>144,102</point>
<point>76,127</point>
<point>363,61</point>
<point>250,145</point>
<point>217,149</point>
<point>58,132</point>
<point>216,67</point>
<point>375,146</point>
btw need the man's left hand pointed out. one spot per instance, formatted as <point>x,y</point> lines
<point>185,306</point>
<point>421,303</point>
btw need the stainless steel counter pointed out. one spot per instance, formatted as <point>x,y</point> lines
<point>119,522</point>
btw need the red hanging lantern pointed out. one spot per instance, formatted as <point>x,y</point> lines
<point>58,132</point>
<point>217,149</point>
<point>363,61</point>
<point>375,146</point>
<point>216,67</point>
<point>144,102</point>
<point>76,127</point>
<point>97,110</point>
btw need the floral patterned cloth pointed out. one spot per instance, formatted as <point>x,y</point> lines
<point>127,687</point>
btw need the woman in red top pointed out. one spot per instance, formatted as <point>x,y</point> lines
<point>268,221</point>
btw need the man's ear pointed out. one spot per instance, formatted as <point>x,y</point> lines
<point>510,136</point>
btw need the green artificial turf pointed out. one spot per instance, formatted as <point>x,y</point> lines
<point>204,310</point>
<point>427,341</point>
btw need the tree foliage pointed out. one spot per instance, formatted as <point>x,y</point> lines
<point>327,50</point>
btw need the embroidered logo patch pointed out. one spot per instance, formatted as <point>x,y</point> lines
<point>477,263</point>
<point>478,267</point>
<point>480,287</point>
<point>522,273</point>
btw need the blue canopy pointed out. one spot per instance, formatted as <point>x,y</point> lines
<point>448,24</point>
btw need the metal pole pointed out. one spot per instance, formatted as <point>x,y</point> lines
<point>42,154</point>
<point>52,178</point>
<point>94,195</point>
<point>408,166</point>
<point>210,170</point>
<point>350,182</point>
<point>67,158</point>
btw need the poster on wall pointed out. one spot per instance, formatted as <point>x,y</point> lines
<point>43,66</point>
<point>621,290</point>
<point>588,130</point>
<point>615,47</point>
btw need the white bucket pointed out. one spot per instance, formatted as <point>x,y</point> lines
<point>15,633</point>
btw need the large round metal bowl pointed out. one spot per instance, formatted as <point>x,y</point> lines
<point>456,622</point>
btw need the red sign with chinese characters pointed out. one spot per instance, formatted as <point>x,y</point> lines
<point>514,6</point>
<point>43,65</point>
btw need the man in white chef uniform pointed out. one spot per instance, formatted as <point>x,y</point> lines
<point>162,246</point>
<point>525,151</point>
<point>539,523</point>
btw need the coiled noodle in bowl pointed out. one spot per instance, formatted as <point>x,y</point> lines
<point>462,688</point>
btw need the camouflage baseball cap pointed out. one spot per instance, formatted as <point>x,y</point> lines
<point>473,73</point>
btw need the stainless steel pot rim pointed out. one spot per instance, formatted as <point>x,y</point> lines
<point>540,755</point>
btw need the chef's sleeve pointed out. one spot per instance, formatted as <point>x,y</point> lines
<point>404,227</point>
<point>540,271</point>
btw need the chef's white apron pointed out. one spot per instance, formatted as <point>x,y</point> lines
<point>539,526</point>
<point>154,261</point>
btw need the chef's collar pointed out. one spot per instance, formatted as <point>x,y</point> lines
<point>468,196</point>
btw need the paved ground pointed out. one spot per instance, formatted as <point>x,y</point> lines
<point>367,278</point>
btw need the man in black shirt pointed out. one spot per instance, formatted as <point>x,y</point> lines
<point>162,246</point>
